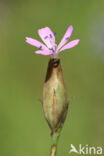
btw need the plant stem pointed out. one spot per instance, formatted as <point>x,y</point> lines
<point>53,150</point>
<point>55,138</point>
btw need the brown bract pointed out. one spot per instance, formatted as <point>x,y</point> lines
<point>55,102</point>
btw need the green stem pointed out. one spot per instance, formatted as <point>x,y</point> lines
<point>55,138</point>
<point>56,135</point>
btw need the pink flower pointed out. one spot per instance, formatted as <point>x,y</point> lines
<point>50,47</point>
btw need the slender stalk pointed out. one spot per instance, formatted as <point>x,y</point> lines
<point>53,150</point>
<point>55,138</point>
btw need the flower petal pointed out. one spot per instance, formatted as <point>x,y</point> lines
<point>43,52</point>
<point>36,43</point>
<point>70,45</point>
<point>47,36</point>
<point>66,37</point>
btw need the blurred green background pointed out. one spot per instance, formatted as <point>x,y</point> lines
<point>23,129</point>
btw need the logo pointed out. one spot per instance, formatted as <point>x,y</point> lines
<point>86,149</point>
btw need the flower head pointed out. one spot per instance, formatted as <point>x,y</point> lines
<point>50,47</point>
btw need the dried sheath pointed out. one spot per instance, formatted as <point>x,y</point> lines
<point>55,102</point>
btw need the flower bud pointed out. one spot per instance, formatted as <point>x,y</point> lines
<point>55,102</point>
